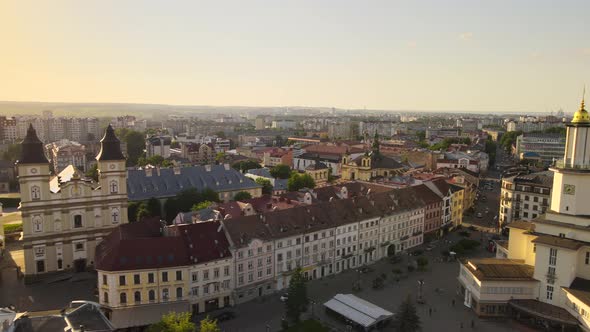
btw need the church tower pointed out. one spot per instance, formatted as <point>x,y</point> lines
<point>33,169</point>
<point>571,182</point>
<point>112,173</point>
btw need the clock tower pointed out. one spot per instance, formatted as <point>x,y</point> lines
<point>571,182</point>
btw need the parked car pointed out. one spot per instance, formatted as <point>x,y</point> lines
<point>285,297</point>
<point>226,315</point>
<point>479,215</point>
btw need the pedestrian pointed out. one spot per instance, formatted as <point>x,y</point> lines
<point>472,324</point>
<point>453,302</point>
<point>430,312</point>
<point>461,325</point>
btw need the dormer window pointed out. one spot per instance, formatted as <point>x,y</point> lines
<point>35,193</point>
<point>114,186</point>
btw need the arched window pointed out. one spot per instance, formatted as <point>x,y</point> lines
<point>106,297</point>
<point>179,293</point>
<point>35,193</point>
<point>115,215</point>
<point>37,224</point>
<point>165,294</point>
<point>77,221</point>
<point>137,297</point>
<point>152,295</point>
<point>114,186</point>
<point>123,298</point>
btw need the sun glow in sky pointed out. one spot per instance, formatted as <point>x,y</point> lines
<point>502,55</point>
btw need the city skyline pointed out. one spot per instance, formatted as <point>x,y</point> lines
<point>426,55</point>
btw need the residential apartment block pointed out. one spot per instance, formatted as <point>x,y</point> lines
<point>64,152</point>
<point>525,197</point>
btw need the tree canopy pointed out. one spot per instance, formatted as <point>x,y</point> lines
<point>92,172</point>
<point>175,322</point>
<point>209,325</point>
<point>267,186</point>
<point>245,165</point>
<point>509,138</point>
<point>156,160</point>
<point>406,318</point>
<point>281,171</point>
<point>185,200</point>
<point>298,181</point>
<point>135,144</point>
<point>202,205</point>
<point>242,195</point>
<point>297,301</point>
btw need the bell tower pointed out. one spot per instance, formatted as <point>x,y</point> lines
<point>571,181</point>
<point>33,169</point>
<point>112,174</point>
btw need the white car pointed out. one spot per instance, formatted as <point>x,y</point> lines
<point>284,297</point>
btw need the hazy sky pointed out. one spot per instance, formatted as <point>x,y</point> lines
<point>494,55</point>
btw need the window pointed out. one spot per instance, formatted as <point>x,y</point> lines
<point>259,251</point>
<point>206,275</point>
<point>123,298</point>
<point>35,193</point>
<point>105,297</point>
<point>37,224</point>
<point>77,221</point>
<point>137,297</point>
<point>226,271</point>
<point>150,278</point>
<point>152,295</point>
<point>206,289</point>
<point>179,293</point>
<point>195,276</point>
<point>79,246</point>
<point>195,291</point>
<point>549,292</point>
<point>240,267</point>
<point>552,256</point>
<point>122,281</point>
<point>178,275</point>
<point>104,279</point>
<point>216,273</point>
<point>40,266</point>
<point>165,294</point>
<point>165,276</point>
<point>114,187</point>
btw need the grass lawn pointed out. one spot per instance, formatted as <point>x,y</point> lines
<point>12,228</point>
<point>309,325</point>
<point>10,195</point>
<point>9,218</point>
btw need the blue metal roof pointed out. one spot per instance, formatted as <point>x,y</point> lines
<point>140,186</point>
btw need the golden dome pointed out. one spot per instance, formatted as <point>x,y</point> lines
<point>581,116</point>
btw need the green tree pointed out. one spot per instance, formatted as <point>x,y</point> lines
<point>12,153</point>
<point>174,145</point>
<point>135,144</point>
<point>93,172</point>
<point>209,194</point>
<point>220,134</point>
<point>202,205</point>
<point>280,171</point>
<point>142,212</point>
<point>175,322</point>
<point>132,211</point>
<point>266,185</point>
<point>242,195</point>
<point>406,318</point>
<point>297,301</point>
<point>154,207</point>
<point>245,165</point>
<point>209,325</point>
<point>220,157</point>
<point>298,181</point>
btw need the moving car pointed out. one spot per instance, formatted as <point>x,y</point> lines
<point>226,315</point>
<point>284,297</point>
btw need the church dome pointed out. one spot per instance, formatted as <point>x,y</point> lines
<point>581,116</point>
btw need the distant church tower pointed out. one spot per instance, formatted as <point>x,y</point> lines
<point>571,182</point>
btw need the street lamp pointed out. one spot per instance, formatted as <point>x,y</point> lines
<point>420,285</point>
<point>312,302</point>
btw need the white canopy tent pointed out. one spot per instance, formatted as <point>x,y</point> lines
<point>357,310</point>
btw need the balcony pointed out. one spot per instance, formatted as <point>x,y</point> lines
<point>567,164</point>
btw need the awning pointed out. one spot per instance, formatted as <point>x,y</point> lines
<point>357,310</point>
<point>543,310</point>
<point>143,315</point>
